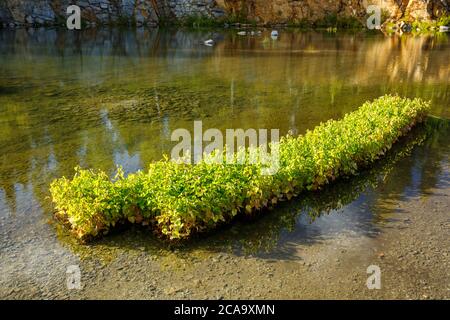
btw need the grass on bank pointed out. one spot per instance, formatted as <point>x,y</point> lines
<point>176,199</point>
<point>421,26</point>
<point>430,25</point>
<point>329,21</point>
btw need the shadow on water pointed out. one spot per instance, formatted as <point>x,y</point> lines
<point>353,205</point>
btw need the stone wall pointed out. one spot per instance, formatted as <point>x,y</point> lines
<point>140,12</point>
<point>150,12</point>
<point>207,8</point>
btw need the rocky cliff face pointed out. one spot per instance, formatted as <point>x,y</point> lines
<point>282,11</point>
<point>151,12</point>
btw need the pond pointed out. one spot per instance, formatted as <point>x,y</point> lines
<point>107,97</point>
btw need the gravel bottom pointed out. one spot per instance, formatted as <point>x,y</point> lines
<point>411,247</point>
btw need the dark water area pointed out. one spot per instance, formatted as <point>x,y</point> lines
<point>102,98</point>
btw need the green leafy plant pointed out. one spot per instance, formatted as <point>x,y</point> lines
<point>444,20</point>
<point>332,20</point>
<point>430,26</point>
<point>199,21</point>
<point>178,199</point>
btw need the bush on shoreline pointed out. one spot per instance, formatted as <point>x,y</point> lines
<point>178,199</point>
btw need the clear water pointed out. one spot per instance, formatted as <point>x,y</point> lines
<point>112,97</point>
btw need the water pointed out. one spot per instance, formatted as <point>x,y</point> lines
<point>112,97</point>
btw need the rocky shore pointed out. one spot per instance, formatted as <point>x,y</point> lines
<point>17,13</point>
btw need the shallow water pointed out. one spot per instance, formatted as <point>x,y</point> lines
<point>112,97</point>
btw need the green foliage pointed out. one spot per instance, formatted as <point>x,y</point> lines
<point>202,21</point>
<point>430,26</point>
<point>301,24</point>
<point>199,21</point>
<point>420,25</point>
<point>385,15</point>
<point>91,201</point>
<point>444,20</point>
<point>178,199</point>
<point>342,22</point>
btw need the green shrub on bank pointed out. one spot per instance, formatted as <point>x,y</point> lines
<point>178,199</point>
<point>339,22</point>
<point>199,21</point>
<point>430,26</point>
<point>202,21</point>
<point>444,21</point>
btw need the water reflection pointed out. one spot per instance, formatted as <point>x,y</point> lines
<point>105,97</point>
<point>355,207</point>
